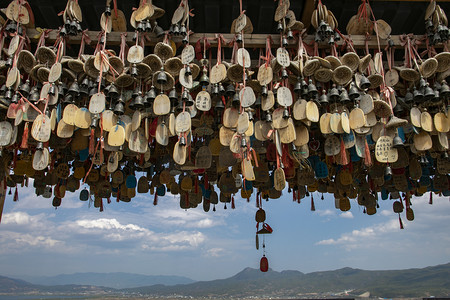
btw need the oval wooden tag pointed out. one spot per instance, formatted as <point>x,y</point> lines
<point>336,123</point>
<point>5,133</point>
<point>41,129</point>
<point>69,114</point>
<point>186,80</point>
<point>415,115</point>
<point>384,152</point>
<point>41,158</point>
<point>356,118</point>
<point>441,122</point>
<point>284,96</point>
<point>366,103</point>
<point>64,130</point>
<point>422,141</point>
<point>345,122</point>
<point>247,97</point>
<point>243,58</point>
<point>187,55</point>
<point>55,72</point>
<point>283,57</point>
<point>82,118</point>
<point>109,119</point>
<point>183,122</point>
<point>135,54</point>
<point>179,153</point>
<point>247,169</point>
<point>230,117</point>
<point>243,123</point>
<point>324,122</point>
<point>161,105</point>
<point>265,74</point>
<point>312,111</point>
<point>218,73</point>
<point>116,136</point>
<point>332,146</point>
<point>426,122</point>
<point>279,179</point>
<point>203,101</point>
<point>97,103</point>
<point>268,102</point>
<point>278,120</point>
<point>240,24</point>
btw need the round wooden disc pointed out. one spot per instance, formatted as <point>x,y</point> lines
<point>391,77</point>
<point>55,72</point>
<point>135,54</point>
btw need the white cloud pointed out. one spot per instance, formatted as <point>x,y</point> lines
<point>215,252</point>
<point>347,215</point>
<point>326,212</point>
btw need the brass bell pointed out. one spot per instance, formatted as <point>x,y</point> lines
<point>331,40</point>
<point>215,89</point>
<point>236,101</point>
<point>257,103</point>
<point>173,96</point>
<point>190,100</point>
<point>185,96</point>
<point>183,31</point>
<point>219,105</point>
<point>182,141</point>
<point>134,71</point>
<point>409,97</point>
<point>284,73</point>
<point>333,94</point>
<point>40,146</point>
<point>151,94</point>
<point>162,77</point>
<point>239,38</point>
<point>312,90</point>
<point>93,91</point>
<point>9,62</point>
<point>417,95</point>
<point>52,90</point>
<point>353,92</point>
<point>397,142</point>
<point>364,83</point>
<point>73,26</point>
<point>63,31</point>
<point>445,90</point>
<point>250,115</point>
<point>221,89</point>
<point>176,29</point>
<point>268,117</point>
<point>289,34</point>
<point>148,26</point>
<point>264,91</point>
<point>62,89</point>
<point>230,91</point>
<point>68,98</point>
<point>113,93</point>
<point>185,40</point>
<point>280,27</point>
<point>15,98</point>
<point>25,88</point>
<point>285,113</point>
<point>323,99</point>
<point>429,93</point>
<point>322,26</point>
<point>119,109</point>
<point>74,89</point>
<point>108,10</point>
<point>243,142</point>
<point>140,27</point>
<point>187,70</point>
<point>94,122</point>
<point>388,171</point>
<point>159,32</point>
<point>284,42</point>
<point>139,101</point>
<point>344,98</point>
<point>298,87</point>
<point>9,94</point>
<point>204,80</point>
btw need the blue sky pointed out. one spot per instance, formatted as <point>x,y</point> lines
<point>137,237</point>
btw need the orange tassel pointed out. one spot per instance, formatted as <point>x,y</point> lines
<point>91,142</point>
<point>155,202</point>
<point>344,161</point>
<point>313,207</point>
<point>24,144</point>
<point>400,221</point>
<point>367,158</point>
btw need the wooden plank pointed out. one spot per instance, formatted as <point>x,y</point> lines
<point>308,9</point>
<point>251,40</point>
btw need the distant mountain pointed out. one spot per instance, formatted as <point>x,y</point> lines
<point>113,280</point>
<point>346,282</point>
<point>431,281</point>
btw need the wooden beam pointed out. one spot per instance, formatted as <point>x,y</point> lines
<point>251,40</point>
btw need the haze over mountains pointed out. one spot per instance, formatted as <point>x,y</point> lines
<point>426,282</point>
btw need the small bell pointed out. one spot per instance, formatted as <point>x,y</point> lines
<point>250,115</point>
<point>429,24</point>
<point>230,91</point>
<point>244,143</point>
<point>417,95</point>
<point>437,38</point>
<point>113,93</point>
<point>284,42</point>
<point>159,32</point>
<point>73,26</point>
<point>187,70</point>
<point>280,27</point>
<point>284,73</point>
<point>323,26</point>
<point>364,83</point>
<point>219,105</point>
<point>148,26</point>
<point>74,89</point>
<point>221,89</point>
<point>92,91</point>
<point>323,99</point>
<point>79,29</point>
<point>317,37</point>
<point>397,143</point>
<point>135,92</point>
<point>185,95</point>
<point>445,90</point>
<point>185,40</point>
<point>176,29</point>
<point>179,107</point>
<point>269,117</point>
<point>215,90</point>
<point>353,92</point>
<point>344,98</point>
<point>119,108</point>
<point>298,87</point>
<point>40,146</point>
<point>9,62</point>
<point>204,80</point>
<point>239,38</point>
<point>429,93</point>
<point>140,27</point>
<point>68,98</point>
<point>162,77</point>
<point>52,90</point>
<point>264,91</point>
<point>108,11</point>
<point>290,35</point>
<point>445,155</point>
<point>331,40</point>
<point>63,31</point>
<point>151,94</point>
<point>173,96</point>
<point>139,101</point>
<point>171,29</point>
<point>25,88</point>
<point>409,97</point>
<point>388,171</point>
<point>333,94</point>
<point>9,94</point>
<point>285,113</point>
<point>312,90</point>
<point>190,100</point>
<point>15,98</point>
<point>182,141</point>
<point>183,31</point>
<point>236,101</point>
<point>134,71</point>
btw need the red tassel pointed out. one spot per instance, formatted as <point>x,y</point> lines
<point>91,142</point>
<point>313,207</point>
<point>205,178</point>
<point>344,161</point>
<point>196,185</point>
<point>232,203</point>
<point>101,205</point>
<point>293,196</point>
<point>400,221</point>
<point>187,199</point>
<point>24,144</point>
<point>16,195</point>
<point>431,198</point>
<point>155,202</point>
<point>118,195</point>
<point>298,197</point>
<point>367,158</point>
